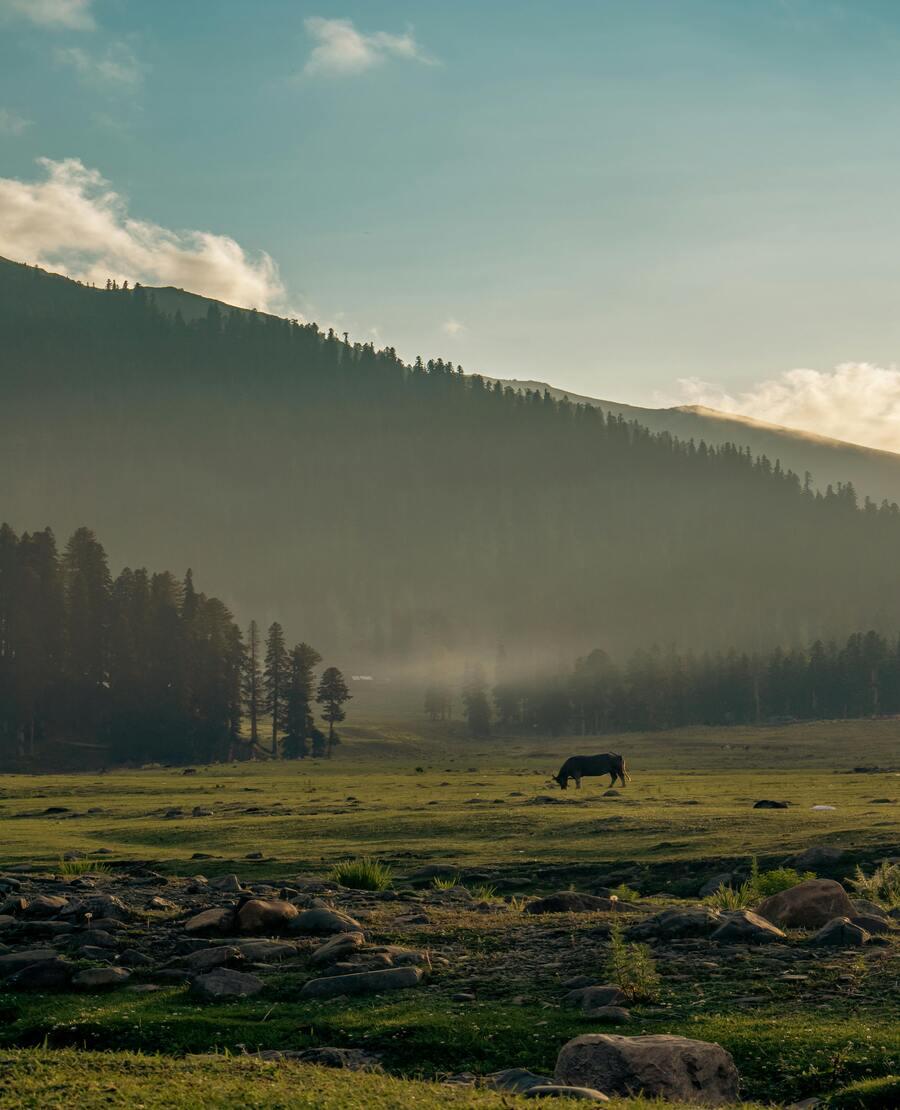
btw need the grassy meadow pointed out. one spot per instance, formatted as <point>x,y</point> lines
<point>412,795</point>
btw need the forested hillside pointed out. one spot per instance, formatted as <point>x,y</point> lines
<point>408,513</point>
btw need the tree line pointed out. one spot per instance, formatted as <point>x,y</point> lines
<point>659,689</point>
<point>144,667</point>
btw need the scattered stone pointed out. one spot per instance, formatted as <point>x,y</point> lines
<point>746,927</point>
<point>45,905</point>
<point>766,803</point>
<point>725,878</point>
<point>560,1090</point>
<point>16,961</point>
<point>337,948</point>
<point>674,1068</point>
<point>363,982</point>
<point>353,1059</point>
<point>47,975</point>
<point>266,951</point>
<point>515,1080</point>
<point>675,924</point>
<point>872,909</point>
<point>874,925</point>
<point>319,920</point>
<point>840,933</point>
<point>616,1015</point>
<point>208,958</point>
<point>809,905</point>
<point>819,855</point>
<point>570,901</point>
<point>225,983</point>
<point>594,997</point>
<point>215,920</point>
<point>231,884</point>
<point>261,916</point>
<point>101,978</point>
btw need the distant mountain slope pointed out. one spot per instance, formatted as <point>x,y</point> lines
<point>874,473</point>
<point>393,513</point>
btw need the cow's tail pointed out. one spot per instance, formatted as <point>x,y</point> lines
<point>624,770</point>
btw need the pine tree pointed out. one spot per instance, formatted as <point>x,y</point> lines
<point>475,700</point>
<point>251,685</point>
<point>332,693</point>
<point>275,680</point>
<point>299,727</point>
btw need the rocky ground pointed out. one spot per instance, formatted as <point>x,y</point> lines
<point>132,932</point>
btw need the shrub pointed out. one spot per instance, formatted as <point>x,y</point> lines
<point>632,968</point>
<point>761,884</point>
<point>446,884</point>
<point>362,874</point>
<point>732,898</point>
<point>883,885</point>
<point>767,883</point>
<point>625,893</point>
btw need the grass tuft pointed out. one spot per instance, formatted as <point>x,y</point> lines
<point>364,873</point>
<point>74,867</point>
<point>882,886</point>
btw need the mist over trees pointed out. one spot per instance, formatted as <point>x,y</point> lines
<point>141,667</point>
<point>660,689</point>
<point>405,514</point>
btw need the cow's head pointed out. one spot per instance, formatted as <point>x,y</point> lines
<point>562,779</point>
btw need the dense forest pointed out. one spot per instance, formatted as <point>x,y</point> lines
<point>406,514</point>
<point>144,667</point>
<point>669,689</point>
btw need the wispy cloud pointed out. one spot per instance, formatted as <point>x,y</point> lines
<point>74,222</point>
<point>68,15</point>
<point>452,327</point>
<point>341,50</point>
<point>117,66</point>
<point>11,123</point>
<point>856,401</point>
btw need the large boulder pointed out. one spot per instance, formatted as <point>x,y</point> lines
<point>262,916</point>
<point>840,933</point>
<point>222,983</point>
<point>267,951</point>
<point>363,982</point>
<point>207,958</point>
<point>570,901</point>
<point>15,961</point>
<point>321,921</point>
<point>45,905</point>
<point>808,905</point>
<point>746,927</point>
<point>676,1069</point>
<point>47,975</point>
<point>818,857</point>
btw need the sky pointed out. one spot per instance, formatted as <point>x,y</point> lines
<point>647,201</point>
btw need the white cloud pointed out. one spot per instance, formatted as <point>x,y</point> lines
<point>73,222</point>
<point>118,66</point>
<point>11,123</point>
<point>70,15</point>
<point>452,327</point>
<point>341,50</point>
<point>856,401</point>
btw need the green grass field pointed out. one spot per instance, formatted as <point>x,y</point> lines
<point>411,796</point>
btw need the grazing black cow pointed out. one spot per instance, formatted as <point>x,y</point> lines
<point>578,767</point>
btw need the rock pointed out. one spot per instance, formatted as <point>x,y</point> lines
<point>260,916</point>
<point>363,982</point>
<point>766,803</point>
<point>353,1059</point>
<point>319,920</point>
<point>215,920</point>
<point>266,951</point>
<point>432,871</point>
<point>208,958</point>
<point>725,878</point>
<point>157,903</point>
<point>674,924</point>
<point>231,884</point>
<point>45,905</point>
<point>225,983</point>
<point>746,927</point>
<point>809,905</point>
<point>611,793</point>
<point>570,901</point>
<point>131,957</point>
<point>872,924</point>
<point>616,1015</point>
<point>840,933</point>
<point>602,994</point>
<point>16,961</point>
<point>337,948</point>
<point>47,975</point>
<point>818,856</point>
<point>101,978</point>
<point>560,1090</point>
<point>515,1080</point>
<point>101,906</point>
<point>661,1066</point>
<point>872,909</point>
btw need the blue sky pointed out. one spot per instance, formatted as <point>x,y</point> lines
<point>610,195</point>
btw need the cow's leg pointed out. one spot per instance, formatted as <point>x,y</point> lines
<point>612,778</point>
<point>578,781</point>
